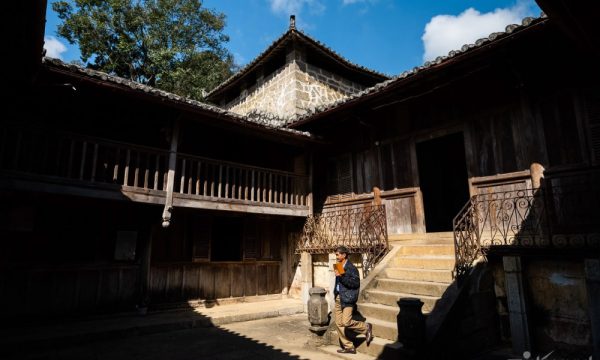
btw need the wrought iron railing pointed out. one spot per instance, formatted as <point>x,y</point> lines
<point>362,229</point>
<point>549,217</point>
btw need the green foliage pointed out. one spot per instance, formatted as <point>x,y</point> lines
<point>175,45</point>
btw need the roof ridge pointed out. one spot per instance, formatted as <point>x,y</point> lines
<point>257,120</point>
<point>495,36</point>
<point>361,67</point>
<point>269,48</point>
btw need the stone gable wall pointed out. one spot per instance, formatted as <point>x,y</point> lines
<point>319,87</point>
<point>292,90</point>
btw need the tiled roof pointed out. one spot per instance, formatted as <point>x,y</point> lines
<point>440,60</point>
<point>223,114</point>
<point>293,32</point>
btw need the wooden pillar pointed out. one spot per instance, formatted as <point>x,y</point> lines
<point>419,213</point>
<point>517,305</point>
<point>306,267</point>
<point>285,255</point>
<point>146,256</point>
<point>592,281</point>
<point>166,217</point>
<point>537,174</point>
<point>309,192</point>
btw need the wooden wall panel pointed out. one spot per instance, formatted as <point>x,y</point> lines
<point>109,288</point>
<point>207,282</point>
<point>222,281</point>
<point>250,280</point>
<point>158,282</point>
<point>41,287</point>
<point>68,290</point>
<point>399,214</point>
<point>217,280</point>
<point>191,288</point>
<point>175,282</point>
<point>237,280</point>
<point>88,290</point>
<point>261,280</point>
<point>273,279</point>
<point>519,180</point>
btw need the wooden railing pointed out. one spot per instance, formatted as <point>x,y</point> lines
<point>131,167</point>
<point>226,180</point>
<point>76,157</point>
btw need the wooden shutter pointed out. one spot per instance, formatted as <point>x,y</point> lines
<point>250,239</point>
<point>592,109</point>
<point>200,233</point>
<point>344,168</point>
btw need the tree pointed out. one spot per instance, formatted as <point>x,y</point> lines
<point>174,45</point>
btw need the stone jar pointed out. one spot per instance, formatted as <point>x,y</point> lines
<point>318,312</point>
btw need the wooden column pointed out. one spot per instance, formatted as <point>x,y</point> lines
<point>592,281</point>
<point>517,305</point>
<point>419,213</point>
<point>537,174</point>
<point>166,217</point>
<point>146,256</point>
<point>309,190</point>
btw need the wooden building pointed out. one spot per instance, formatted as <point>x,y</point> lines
<point>116,195</point>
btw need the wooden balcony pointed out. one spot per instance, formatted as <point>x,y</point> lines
<point>53,162</point>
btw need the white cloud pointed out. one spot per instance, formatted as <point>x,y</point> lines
<point>295,7</point>
<point>449,32</point>
<point>350,2</point>
<point>54,48</point>
<point>239,59</point>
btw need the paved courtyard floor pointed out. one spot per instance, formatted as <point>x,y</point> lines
<point>283,337</point>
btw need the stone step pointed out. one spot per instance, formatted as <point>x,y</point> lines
<point>390,299</point>
<point>377,348</point>
<point>439,262</point>
<point>412,287</point>
<point>384,329</point>
<point>427,249</point>
<point>378,311</point>
<point>426,238</point>
<point>417,274</point>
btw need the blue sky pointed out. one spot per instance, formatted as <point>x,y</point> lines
<point>389,36</point>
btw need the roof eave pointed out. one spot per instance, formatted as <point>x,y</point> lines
<point>221,115</point>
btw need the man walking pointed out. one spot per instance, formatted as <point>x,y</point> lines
<point>347,286</point>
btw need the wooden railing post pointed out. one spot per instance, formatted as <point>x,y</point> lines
<point>166,217</point>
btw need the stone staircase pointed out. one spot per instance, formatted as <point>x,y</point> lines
<point>420,268</point>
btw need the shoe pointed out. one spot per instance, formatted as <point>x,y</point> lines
<point>369,333</point>
<point>347,351</point>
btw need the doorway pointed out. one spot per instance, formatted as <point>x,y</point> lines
<point>443,179</point>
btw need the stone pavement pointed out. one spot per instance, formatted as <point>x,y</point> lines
<point>274,329</point>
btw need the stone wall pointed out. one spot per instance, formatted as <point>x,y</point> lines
<point>291,91</point>
<point>318,87</point>
<point>559,305</point>
<point>556,305</point>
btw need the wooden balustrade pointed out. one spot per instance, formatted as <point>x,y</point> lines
<point>83,158</point>
<point>197,176</point>
<point>100,161</point>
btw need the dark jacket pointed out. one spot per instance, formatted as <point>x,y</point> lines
<point>349,285</point>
